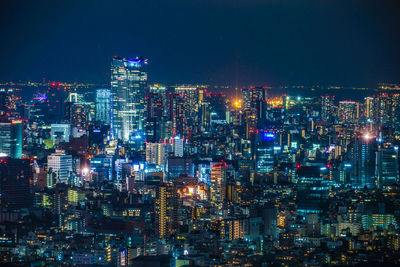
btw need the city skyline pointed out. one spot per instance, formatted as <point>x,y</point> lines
<point>240,133</point>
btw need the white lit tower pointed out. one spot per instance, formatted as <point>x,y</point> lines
<point>128,85</point>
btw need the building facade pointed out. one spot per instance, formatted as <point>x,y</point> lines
<point>128,85</point>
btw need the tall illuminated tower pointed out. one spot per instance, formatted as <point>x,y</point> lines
<point>265,158</point>
<point>217,189</point>
<point>128,85</point>
<point>369,102</point>
<point>363,156</point>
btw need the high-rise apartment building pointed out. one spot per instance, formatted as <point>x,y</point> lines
<point>166,209</point>
<point>178,147</point>
<point>348,112</point>
<point>190,95</point>
<point>369,107</point>
<point>128,85</point>
<point>327,107</point>
<point>156,153</point>
<point>217,189</point>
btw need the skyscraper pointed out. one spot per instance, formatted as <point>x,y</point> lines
<point>128,84</point>
<point>103,106</point>
<point>190,96</point>
<point>11,138</point>
<point>218,108</point>
<point>187,107</point>
<point>348,112</point>
<point>252,96</point>
<point>265,152</point>
<point>15,178</point>
<point>178,147</point>
<point>55,102</point>
<point>166,209</point>
<point>217,189</point>
<point>77,115</point>
<point>154,116</point>
<point>369,107</point>
<point>363,157</point>
<point>327,107</point>
<point>176,114</point>
<point>387,165</point>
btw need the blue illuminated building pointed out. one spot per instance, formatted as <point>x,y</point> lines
<point>264,150</point>
<point>102,165</point>
<point>128,86</point>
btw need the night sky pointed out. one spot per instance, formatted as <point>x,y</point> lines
<point>248,42</point>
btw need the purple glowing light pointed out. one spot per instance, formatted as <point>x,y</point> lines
<point>40,97</point>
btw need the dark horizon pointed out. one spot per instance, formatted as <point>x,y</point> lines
<point>350,43</point>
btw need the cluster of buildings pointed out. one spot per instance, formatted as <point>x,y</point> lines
<point>142,174</point>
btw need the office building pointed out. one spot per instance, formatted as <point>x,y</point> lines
<point>103,106</point>
<point>11,138</point>
<point>190,96</point>
<point>265,158</point>
<point>60,132</point>
<point>61,164</point>
<point>180,167</point>
<point>102,166</point>
<point>128,85</point>
<point>16,176</point>
<point>387,165</point>
<point>362,153</point>
<point>178,147</point>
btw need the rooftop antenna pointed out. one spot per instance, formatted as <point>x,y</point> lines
<point>236,63</point>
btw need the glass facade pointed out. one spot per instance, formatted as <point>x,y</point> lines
<point>128,84</point>
<point>103,106</point>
